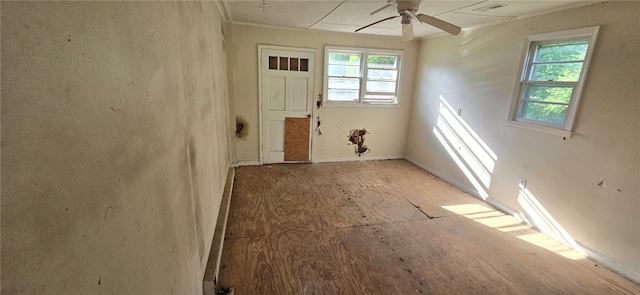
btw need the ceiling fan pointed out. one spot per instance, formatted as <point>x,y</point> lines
<point>407,11</point>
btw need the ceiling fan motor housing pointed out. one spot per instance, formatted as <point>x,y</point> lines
<point>408,5</point>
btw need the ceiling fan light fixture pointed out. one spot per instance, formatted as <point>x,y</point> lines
<point>407,31</point>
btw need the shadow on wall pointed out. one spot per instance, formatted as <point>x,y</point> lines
<point>477,161</point>
<point>484,59</point>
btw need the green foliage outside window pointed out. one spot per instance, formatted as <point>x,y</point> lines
<point>552,63</point>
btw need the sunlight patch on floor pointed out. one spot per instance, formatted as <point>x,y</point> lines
<point>509,224</point>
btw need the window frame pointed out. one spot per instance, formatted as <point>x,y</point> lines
<point>588,34</point>
<point>363,77</point>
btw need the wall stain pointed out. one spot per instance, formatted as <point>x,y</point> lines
<point>242,130</point>
<point>107,211</point>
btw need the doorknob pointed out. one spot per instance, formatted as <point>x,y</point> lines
<point>308,116</point>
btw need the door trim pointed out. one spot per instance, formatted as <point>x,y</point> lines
<point>311,102</point>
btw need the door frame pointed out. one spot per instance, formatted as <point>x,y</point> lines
<point>312,110</point>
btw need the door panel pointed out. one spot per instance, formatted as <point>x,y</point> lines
<point>276,140</point>
<point>287,77</point>
<point>277,91</point>
<point>299,89</point>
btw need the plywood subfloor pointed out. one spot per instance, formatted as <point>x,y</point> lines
<point>387,227</point>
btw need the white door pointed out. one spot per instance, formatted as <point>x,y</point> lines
<point>286,78</point>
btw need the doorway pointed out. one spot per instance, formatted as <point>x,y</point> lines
<point>287,77</point>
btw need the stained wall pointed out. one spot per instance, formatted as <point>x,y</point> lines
<point>115,145</point>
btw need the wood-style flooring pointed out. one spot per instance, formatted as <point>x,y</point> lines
<point>387,227</point>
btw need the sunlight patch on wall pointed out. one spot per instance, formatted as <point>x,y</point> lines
<point>461,165</point>
<point>472,155</point>
<point>509,224</point>
<point>542,219</point>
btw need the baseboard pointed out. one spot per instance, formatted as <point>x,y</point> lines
<point>592,254</point>
<point>213,264</point>
<point>246,163</point>
<point>356,159</point>
<point>610,264</point>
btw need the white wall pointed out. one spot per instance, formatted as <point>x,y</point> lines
<point>115,145</point>
<point>388,125</point>
<point>477,72</point>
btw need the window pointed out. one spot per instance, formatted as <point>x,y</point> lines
<point>553,73</point>
<point>361,75</point>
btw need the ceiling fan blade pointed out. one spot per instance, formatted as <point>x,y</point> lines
<point>407,32</point>
<point>381,8</point>
<point>440,24</point>
<point>371,24</point>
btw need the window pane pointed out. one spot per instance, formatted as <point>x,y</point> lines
<point>545,112</point>
<point>304,64</point>
<point>570,51</point>
<point>273,62</point>
<point>294,64</point>
<point>343,95</point>
<point>556,72</point>
<point>342,83</point>
<point>284,63</point>
<point>344,58</point>
<point>559,94</point>
<point>382,61</point>
<point>344,71</point>
<point>391,75</point>
<point>377,86</point>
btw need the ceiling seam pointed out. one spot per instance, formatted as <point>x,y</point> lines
<point>459,8</point>
<point>330,12</point>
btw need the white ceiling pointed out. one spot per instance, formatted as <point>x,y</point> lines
<point>348,15</point>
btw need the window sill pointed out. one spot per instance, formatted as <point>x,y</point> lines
<point>548,130</point>
<point>332,104</point>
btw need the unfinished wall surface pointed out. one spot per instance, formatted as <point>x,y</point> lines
<point>115,145</point>
<point>387,125</point>
<point>477,72</point>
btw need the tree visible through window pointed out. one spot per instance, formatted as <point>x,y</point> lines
<point>545,101</point>
<point>552,78</point>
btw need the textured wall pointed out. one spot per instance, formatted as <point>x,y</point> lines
<point>477,72</point>
<point>388,125</point>
<point>115,145</point>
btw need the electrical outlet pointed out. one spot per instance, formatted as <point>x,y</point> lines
<point>523,183</point>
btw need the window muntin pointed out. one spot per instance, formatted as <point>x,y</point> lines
<point>553,74</point>
<point>349,79</point>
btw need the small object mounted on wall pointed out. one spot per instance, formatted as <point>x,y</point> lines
<point>319,101</point>
<point>356,136</point>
